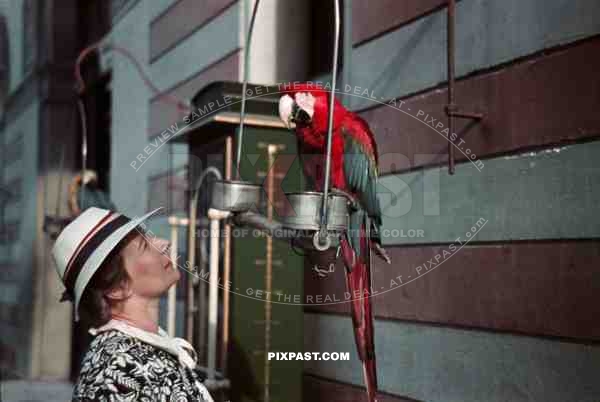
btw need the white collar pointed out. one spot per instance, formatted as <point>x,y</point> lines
<point>176,346</point>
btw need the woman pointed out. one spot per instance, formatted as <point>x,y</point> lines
<point>116,274</point>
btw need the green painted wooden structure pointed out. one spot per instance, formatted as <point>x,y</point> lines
<point>253,377</point>
<point>248,311</point>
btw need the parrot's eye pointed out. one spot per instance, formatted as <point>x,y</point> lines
<point>300,116</point>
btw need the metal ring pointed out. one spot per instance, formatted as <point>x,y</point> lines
<point>317,241</point>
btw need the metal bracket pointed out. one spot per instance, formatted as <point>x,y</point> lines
<point>455,111</point>
<point>324,273</point>
<point>451,109</point>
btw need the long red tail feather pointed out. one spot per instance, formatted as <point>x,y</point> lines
<point>358,283</point>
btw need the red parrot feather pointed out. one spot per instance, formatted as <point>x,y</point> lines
<point>354,160</point>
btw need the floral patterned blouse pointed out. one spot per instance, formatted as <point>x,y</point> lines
<point>120,366</point>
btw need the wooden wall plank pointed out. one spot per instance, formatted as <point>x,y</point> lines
<point>206,45</point>
<point>547,99</point>
<point>548,194</point>
<point>169,189</point>
<point>321,389</point>
<point>413,58</point>
<point>542,288</point>
<point>373,18</point>
<point>445,364</point>
<point>181,20</point>
<point>163,114</point>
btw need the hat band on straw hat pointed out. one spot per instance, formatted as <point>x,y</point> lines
<point>98,236</point>
<point>85,243</point>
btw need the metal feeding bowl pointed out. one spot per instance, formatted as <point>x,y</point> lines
<point>235,195</point>
<point>304,211</point>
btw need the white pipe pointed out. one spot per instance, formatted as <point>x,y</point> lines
<point>214,215</point>
<point>172,297</point>
<point>191,255</point>
<point>191,310</point>
<point>175,222</point>
<point>201,299</point>
<point>213,294</point>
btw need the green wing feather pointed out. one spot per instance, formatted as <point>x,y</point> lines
<point>360,171</point>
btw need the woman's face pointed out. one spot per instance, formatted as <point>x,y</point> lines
<point>148,263</point>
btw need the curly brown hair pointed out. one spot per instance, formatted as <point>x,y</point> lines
<point>95,305</point>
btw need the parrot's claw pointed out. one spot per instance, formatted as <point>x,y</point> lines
<point>348,254</point>
<point>381,252</point>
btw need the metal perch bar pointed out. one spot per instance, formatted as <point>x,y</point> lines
<point>302,238</point>
<point>269,227</point>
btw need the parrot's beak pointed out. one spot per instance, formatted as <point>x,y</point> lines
<point>286,107</point>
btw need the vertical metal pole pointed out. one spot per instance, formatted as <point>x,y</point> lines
<point>451,106</point>
<point>272,148</point>
<point>201,299</point>
<point>346,43</point>
<point>336,42</point>
<point>172,296</point>
<point>451,109</point>
<point>191,307</point>
<point>213,296</point>
<point>240,135</point>
<point>189,288</point>
<point>226,266</point>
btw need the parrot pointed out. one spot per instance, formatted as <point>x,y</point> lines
<point>89,193</point>
<point>354,171</point>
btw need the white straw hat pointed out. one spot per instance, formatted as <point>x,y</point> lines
<point>84,244</point>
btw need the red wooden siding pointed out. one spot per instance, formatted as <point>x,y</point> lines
<point>319,389</point>
<point>543,288</point>
<point>547,99</point>
<point>375,17</point>
<point>181,20</point>
<point>162,114</point>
